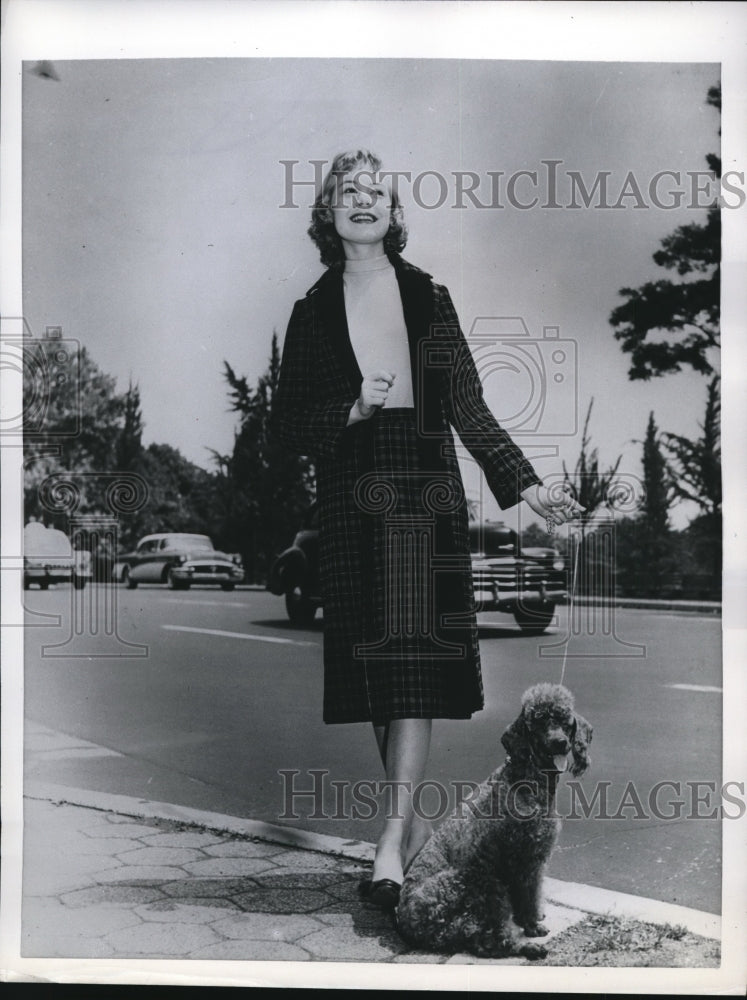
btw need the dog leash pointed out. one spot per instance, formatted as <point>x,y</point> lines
<point>551,531</point>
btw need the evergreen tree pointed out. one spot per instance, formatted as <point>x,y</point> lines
<point>588,483</point>
<point>535,537</point>
<point>657,485</point>
<point>591,485</point>
<point>687,310</point>
<point>270,488</point>
<point>653,523</point>
<point>129,442</point>
<point>696,464</point>
<point>666,326</point>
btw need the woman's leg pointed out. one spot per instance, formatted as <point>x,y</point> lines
<point>420,828</point>
<point>404,746</point>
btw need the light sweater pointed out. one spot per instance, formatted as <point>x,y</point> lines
<point>376,324</point>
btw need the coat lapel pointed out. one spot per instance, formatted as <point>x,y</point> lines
<point>416,289</point>
<point>330,305</point>
<point>416,293</point>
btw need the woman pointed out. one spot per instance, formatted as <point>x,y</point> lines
<point>375,370</point>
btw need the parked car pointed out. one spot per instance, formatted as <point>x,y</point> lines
<point>48,557</point>
<point>178,560</point>
<point>525,582</point>
<point>295,572</point>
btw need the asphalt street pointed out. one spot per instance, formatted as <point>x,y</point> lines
<point>213,701</point>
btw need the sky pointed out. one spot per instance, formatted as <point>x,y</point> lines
<point>153,231</point>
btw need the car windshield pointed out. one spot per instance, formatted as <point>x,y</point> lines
<point>187,542</point>
<point>492,539</point>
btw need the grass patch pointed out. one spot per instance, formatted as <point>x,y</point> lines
<point>600,940</point>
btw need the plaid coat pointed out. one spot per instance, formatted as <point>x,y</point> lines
<point>400,638</point>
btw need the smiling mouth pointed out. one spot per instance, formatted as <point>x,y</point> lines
<point>363,217</point>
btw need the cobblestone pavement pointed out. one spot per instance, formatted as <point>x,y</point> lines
<point>102,885</point>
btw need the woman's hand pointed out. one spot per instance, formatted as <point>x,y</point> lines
<point>374,390</point>
<point>556,508</point>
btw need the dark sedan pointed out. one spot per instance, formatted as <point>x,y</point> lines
<point>525,582</point>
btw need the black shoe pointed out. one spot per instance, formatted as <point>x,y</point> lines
<point>384,892</point>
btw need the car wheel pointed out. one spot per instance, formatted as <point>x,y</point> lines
<point>534,618</point>
<point>79,582</point>
<point>227,586</point>
<point>127,579</point>
<point>44,584</point>
<point>301,610</point>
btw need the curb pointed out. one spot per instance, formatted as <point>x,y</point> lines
<point>574,895</point>
<point>651,604</point>
<point>125,805</point>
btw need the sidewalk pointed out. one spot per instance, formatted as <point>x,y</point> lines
<point>114,877</point>
<point>120,878</point>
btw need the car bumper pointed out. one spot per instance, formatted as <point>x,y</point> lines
<point>207,574</point>
<point>493,599</point>
<point>52,574</point>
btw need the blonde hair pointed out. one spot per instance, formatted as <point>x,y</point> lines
<point>322,229</point>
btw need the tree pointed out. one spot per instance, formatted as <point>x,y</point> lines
<point>74,428</point>
<point>79,427</point>
<point>696,467</point>
<point>650,533</point>
<point>535,537</point>
<point>687,310</point>
<point>268,487</point>
<point>657,482</point>
<point>129,442</point>
<point>588,483</point>
<point>666,326</point>
<point>592,487</point>
<point>697,463</point>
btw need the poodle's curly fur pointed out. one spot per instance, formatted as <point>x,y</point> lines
<point>485,866</point>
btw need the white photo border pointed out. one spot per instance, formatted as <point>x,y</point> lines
<point>594,32</point>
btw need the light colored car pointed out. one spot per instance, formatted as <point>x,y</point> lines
<point>178,560</point>
<point>48,557</point>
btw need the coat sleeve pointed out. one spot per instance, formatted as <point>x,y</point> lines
<point>303,418</point>
<point>507,471</point>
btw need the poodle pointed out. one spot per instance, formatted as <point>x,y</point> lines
<point>485,865</point>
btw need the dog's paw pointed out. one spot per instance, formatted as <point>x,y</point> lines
<point>533,951</point>
<point>536,930</point>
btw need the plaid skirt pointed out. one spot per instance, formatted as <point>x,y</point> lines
<point>400,636</point>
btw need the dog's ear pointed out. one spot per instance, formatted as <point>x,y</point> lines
<point>580,746</point>
<point>515,740</point>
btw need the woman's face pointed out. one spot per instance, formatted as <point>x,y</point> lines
<point>361,207</point>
